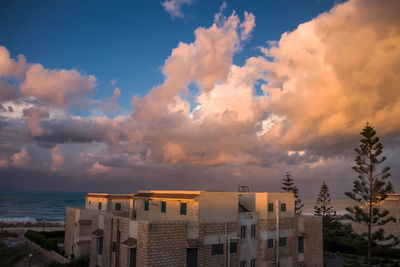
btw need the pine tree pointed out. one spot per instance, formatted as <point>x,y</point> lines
<point>288,186</point>
<point>370,187</point>
<point>324,207</point>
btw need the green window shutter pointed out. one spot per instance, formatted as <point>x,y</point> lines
<point>270,207</point>
<point>183,208</point>
<point>283,207</point>
<point>146,205</point>
<point>163,206</point>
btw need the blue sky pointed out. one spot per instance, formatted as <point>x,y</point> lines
<point>128,41</point>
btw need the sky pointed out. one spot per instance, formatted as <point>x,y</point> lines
<point>101,96</point>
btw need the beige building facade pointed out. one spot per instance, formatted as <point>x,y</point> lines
<point>194,228</point>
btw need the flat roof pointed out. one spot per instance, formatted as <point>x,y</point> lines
<point>166,195</point>
<point>102,195</point>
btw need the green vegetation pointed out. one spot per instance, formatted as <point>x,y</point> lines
<point>288,186</point>
<point>324,208</point>
<point>370,189</point>
<point>10,256</point>
<point>47,240</point>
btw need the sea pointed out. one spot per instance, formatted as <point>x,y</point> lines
<point>24,206</point>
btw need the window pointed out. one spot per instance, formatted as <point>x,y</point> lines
<point>283,207</point>
<point>99,205</point>
<point>243,231</point>
<point>242,263</point>
<point>233,247</point>
<point>163,206</point>
<point>300,242</point>
<point>183,208</point>
<point>283,242</point>
<point>114,246</point>
<point>217,249</point>
<point>100,245</point>
<point>270,207</point>
<point>132,257</point>
<point>191,257</point>
<point>117,206</point>
<point>253,231</point>
<point>146,205</point>
<point>253,263</point>
<point>270,243</point>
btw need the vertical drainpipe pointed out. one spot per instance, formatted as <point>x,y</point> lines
<point>112,230</point>
<point>225,241</point>
<point>229,251</point>
<point>277,217</point>
<point>117,246</point>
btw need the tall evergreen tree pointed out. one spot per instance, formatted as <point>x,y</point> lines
<point>288,186</point>
<point>324,207</point>
<point>370,188</point>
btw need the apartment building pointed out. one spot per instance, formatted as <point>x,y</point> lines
<point>195,228</point>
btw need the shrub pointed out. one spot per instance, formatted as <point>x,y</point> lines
<point>39,239</point>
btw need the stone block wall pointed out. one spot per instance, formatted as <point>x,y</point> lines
<point>288,229</point>
<point>313,240</point>
<point>69,230</point>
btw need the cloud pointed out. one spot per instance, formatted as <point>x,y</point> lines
<point>98,168</point>
<point>334,73</point>
<point>20,159</point>
<point>56,86</point>
<point>9,67</point>
<point>33,116</point>
<point>173,7</point>
<point>57,158</point>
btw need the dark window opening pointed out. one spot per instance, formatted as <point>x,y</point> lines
<point>163,206</point>
<point>99,205</point>
<point>132,257</point>
<point>282,241</point>
<point>191,257</point>
<point>283,207</point>
<point>253,263</point>
<point>117,206</point>
<point>243,231</point>
<point>100,245</point>
<point>114,246</point>
<point>253,231</point>
<point>146,205</point>
<point>242,263</point>
<point>183,208</point>
<point>270,207</point>
<point>300,244</point>
<point>233,247</point>
<point>270,243</point>
<point>217,249</point>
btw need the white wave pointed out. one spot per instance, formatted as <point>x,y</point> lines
<point>18,219</point>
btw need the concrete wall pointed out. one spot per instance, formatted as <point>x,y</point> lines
<point>50,255</point>
<point>218,206</point>
<point>93,202</point>
<point>172,212</point>
<point>248,247</point>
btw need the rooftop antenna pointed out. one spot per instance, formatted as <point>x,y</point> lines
<point>243,188</point>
